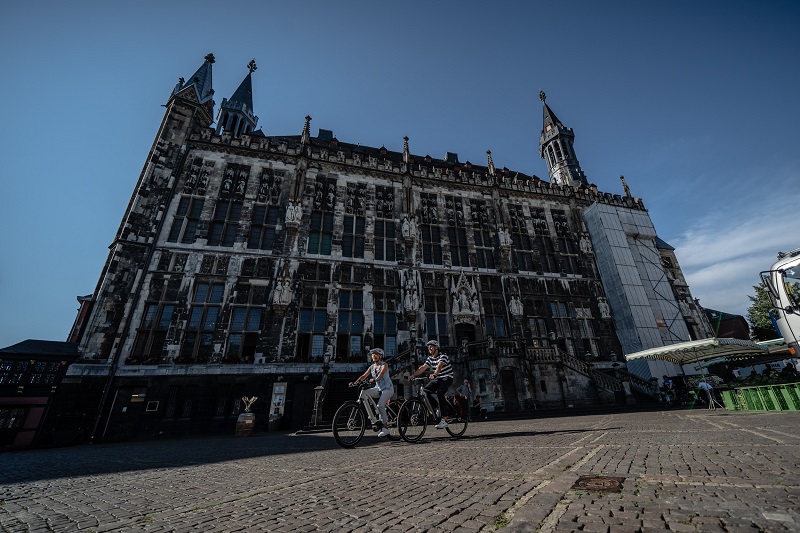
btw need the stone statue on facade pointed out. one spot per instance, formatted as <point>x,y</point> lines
<point>505,236</point>
<point>282,296</point>
<point>465,307</point>
<point>585,244</point>
<point>516,307</point>
<point>605,311</point>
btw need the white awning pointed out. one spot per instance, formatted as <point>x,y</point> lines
<point>694,351</point>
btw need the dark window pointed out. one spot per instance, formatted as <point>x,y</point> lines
<point>203,315</point>
<point>320,234</point>
<point>459,254</point>
<point>262,227</point>
<point>431,244</point>
<point>350,325</point>
<point>385,327</point>
<point>495,315</point>
<point>384,240</point>
<point>187,216</point>
<point>484,250</point>
<point>312,324</point>
<point>436,316</point>
<point>225,223</point>
<point>353,237</point>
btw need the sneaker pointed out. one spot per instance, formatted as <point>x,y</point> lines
<point>441,425</point>
<point>383,433</point>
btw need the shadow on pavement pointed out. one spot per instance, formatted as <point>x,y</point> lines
<point>112,458</point>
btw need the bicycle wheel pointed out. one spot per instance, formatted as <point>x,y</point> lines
<point>412,420</point>
<point>456,426</point>
<point>349,424</point>
<point>394,427</point>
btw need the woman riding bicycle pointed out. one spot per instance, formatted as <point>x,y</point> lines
<point>441,379</point>
<point>383,389</point>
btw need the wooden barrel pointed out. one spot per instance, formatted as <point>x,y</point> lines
<point>245,424</point>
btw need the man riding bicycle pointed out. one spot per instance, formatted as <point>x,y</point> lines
<point>440,379</point>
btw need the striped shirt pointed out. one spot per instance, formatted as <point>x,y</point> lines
<point>433,362</point>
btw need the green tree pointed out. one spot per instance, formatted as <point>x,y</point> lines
<point>761,328</point>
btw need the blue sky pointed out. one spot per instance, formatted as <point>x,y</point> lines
<point>694,102</point>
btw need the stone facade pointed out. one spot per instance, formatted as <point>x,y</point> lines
<point>283,257</point>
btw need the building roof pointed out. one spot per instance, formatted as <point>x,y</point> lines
<point>695,351</point>
<point>38,347</point>
<point>326,139</point>
<point>662,245</point>
<point>548,117</point>
<point>244,93</point>
<point>713,314</point>
<point>201,80</point>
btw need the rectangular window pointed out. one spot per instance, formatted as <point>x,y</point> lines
<point>187,216</point>
<point>203,315</point>
<point>562,313</point>
<point>262,227</point>
<point>384,240</point>
<point>546,254</point>
<point>350,324</point>
<point>320,235</point>
<point>353,237</point>
<point>484,249</point>
<point>312,324</point>
<point>385,326</point>
<point>436,316</point>
<point>431,244</point>
<point>225,223</point>
<point>151,335</point>
<point>459,254</point>
<point>495,312</point>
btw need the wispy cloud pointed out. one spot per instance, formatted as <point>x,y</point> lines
<point>722,255</point>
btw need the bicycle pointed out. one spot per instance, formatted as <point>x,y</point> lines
<point>414,414</point>
<point>351,419</point>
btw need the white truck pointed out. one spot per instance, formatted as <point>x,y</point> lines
<point>782,282</point>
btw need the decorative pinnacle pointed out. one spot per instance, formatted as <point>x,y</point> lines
<point>542,96</point>
<point>625,187</point>
<point>490,164</point>
<point>252,65</point>
<point>210,58</point>
<point>406,154</point>
<point>306,136</point>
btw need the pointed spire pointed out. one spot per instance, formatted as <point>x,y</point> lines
<point>556,148</point>
<point>490,163</point>
<point>305,138</point>
<point>236,115</point>
<point>244,94</point>
<point>202,80</point>
<point>406,154</point>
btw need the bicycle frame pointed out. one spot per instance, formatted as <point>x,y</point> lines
<point>373,413</point>
<point>422,396</point>
<point>415,413</point>
<point>354,416</point>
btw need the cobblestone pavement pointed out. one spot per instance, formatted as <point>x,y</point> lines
<point>682,470</point>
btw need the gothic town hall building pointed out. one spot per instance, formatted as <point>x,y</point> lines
<point>249,264</point>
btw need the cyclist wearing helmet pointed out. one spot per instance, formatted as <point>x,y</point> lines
<point>441,378</point>
<point>383,389</point>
